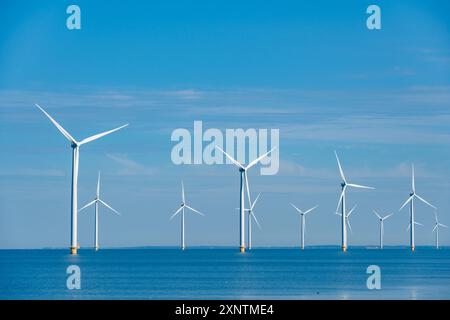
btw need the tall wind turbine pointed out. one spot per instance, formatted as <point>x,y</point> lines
<point>410,200</point>
<point>251,216</point>
<point>75,160</point>
<point>96,201</point>
<point>436,229</point>
<point>342,201</point>
<point>181,209</point>
<point>381,219</point>
<point>243,171</point>
<point>303,223</point>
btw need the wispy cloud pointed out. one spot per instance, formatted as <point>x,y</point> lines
<point>31,172</point>
<point>129,167</point>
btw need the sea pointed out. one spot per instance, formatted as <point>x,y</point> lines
<point>224,273</point>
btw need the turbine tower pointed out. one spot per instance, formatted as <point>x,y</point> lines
<point>410,200</point>
<point>381,219</point>
<point>181,209</point>
<point>97,201</point>
<point>342,201</point>
<point>303,223</point>
<point>75,160</point>
<point>243,171</point>
<point>436,229</point>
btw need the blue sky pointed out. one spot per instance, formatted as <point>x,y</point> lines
<point>311,69</point>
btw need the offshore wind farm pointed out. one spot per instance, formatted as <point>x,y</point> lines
<point>230,150</point>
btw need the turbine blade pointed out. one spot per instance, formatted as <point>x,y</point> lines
<point>98,136</point>
<point>389,215</point>
<point>424,201</point>
<point>256,220</point>
<point>349,225</point>
<point>376,213</point>
<point>311,209</point>
<point>443,225</point>
<point>340,200</point>
<point>351,211</point>
<point>340,167</point>
<point>254,202</point>
<point>196,211</point>
<point>182,192</point>
<point>406,202</point>
<point>236,163</point>
<point>248,189</point>
<point>434,229</point>
<point>87,205</point>
<point>413,184</point>
<point>176,212</point>
<point>409,226</point>
<point>359,186</point>
<point>108,206</point>
<point>418,223</point>
<point>299,211</point>
<point>98,185</point>
<point>58,126</point>
<point>251,164</point>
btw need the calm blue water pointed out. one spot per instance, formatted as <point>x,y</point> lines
<point>320,273</point>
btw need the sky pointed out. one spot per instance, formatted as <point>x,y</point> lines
<point>312,69</point>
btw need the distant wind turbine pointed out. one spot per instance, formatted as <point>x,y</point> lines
<point>410,200</point>
<point>181,209</point>
<point>75,160</point>
<point>251,216</point>
<point>96,201</point>
<point>436,229</point>
<point>381,219</point>
<point>347,217</point>
<point>303,223</point>
<point>342,202</point>
<point>243,170</point>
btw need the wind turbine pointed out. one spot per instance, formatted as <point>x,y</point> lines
<point>96,201</point>
<point>410,200</point>
<point>75,160</point>
<point>303,223</point>
<point>243,171</point>
<point>251,215</point>
<point>181,209</point>
<point>436,228</point>
<point>381,219</point>
<point>342,201</point>
<point>347,217</point>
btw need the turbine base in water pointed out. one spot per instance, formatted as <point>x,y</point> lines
<point>73,250</point>
<point>96,248</point>
<point>344,248</point>
<point>242,249</point>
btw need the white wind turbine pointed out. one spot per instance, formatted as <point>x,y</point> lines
<point>75,160</point>
<point>347,217</point>
<point>243,170</point>
<point>436,229</point>
<point>410,200</point>
<point>181,209</point>
<point>97,201</point>
<point>303,223</point>
<point>251,215</point>
<point>342,202</point>
<point>381,219</point>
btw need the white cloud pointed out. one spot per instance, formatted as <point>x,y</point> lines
<point>130,167</point>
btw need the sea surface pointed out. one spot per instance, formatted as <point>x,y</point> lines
<point>224,273</point>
